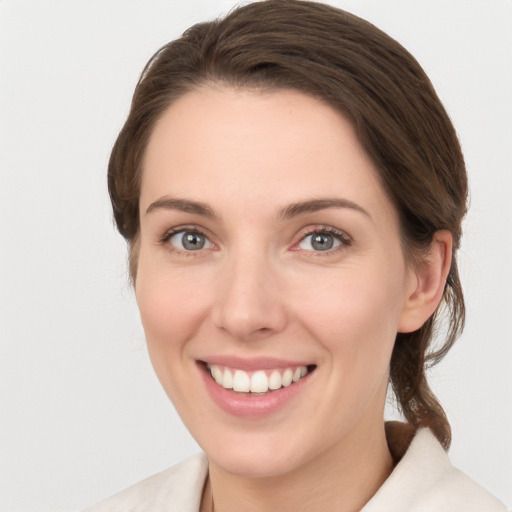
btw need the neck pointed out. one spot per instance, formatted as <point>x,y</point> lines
<point>342,479</point>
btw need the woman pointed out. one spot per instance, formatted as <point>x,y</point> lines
<point>292,192</point>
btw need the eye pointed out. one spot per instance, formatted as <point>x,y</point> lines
<point>323,240</point>
<point>188,240</point>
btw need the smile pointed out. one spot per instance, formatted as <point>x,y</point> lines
<point>259,381</point>
<point>257,388</point>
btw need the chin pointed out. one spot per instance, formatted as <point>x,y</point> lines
<point>256,454</point>
<point>255,463</point>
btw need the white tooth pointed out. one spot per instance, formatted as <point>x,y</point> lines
<point>227,379</point>
<point>296,375</point>
<point>216,374</point>
<point>259,382</point>
<point>303,371</point>
<point>241,381</point>
<point>274,381</point>
<point>287,377</point>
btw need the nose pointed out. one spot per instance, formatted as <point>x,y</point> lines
<point>249,304</point>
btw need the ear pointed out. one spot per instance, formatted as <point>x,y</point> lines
<point>427,282</point>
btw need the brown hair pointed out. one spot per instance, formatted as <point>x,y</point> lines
<point>359,70</point>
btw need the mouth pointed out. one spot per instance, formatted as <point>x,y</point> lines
<point>255,388</point>
<point>257,382</point>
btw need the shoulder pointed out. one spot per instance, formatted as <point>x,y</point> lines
<point>425,481</point>
<point>177,488</point>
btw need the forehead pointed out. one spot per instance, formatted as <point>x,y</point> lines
<point>220,143</point>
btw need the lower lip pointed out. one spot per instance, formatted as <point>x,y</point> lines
<point>248,405</point>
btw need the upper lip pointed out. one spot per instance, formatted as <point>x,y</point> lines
<point>253,363</point>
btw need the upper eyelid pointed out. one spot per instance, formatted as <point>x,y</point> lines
<point>318,228</point>
<point>192,228</point>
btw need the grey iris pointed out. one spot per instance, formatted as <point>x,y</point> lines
<point>193,241</point>
<point>322,242</point>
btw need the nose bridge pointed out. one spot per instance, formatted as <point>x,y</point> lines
<point>249,302</point>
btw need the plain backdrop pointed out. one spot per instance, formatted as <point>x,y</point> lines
<point>82,414</point>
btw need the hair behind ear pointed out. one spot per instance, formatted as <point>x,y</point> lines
<point>412,356</point>
<point>416,400</point>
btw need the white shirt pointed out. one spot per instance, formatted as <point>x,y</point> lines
<point>423,481</point>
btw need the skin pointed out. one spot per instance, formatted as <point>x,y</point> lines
<point>259,288</point>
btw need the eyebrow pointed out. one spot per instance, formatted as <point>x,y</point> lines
<point>315,205</point>
<point>290,211</point>
<point>184,205</point>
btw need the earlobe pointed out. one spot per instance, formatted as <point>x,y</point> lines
<point>427,283</point>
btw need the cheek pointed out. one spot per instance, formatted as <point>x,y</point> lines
<point>171,309</point>
<point>171,312</point>
<point>356,324</point>
<point>355,317</point>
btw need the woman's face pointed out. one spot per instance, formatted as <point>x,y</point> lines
<point>270,257</point>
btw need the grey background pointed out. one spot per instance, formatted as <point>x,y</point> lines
<point>82,414</point>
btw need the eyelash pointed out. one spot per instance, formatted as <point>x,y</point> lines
<point>182,229</point>
<point>344,239</point>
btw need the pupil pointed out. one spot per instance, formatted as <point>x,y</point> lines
<point>193,241</point>
<point>322,242</point>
